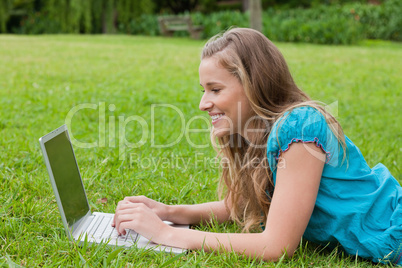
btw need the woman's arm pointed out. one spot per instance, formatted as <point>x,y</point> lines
<point>297,183</point>
<point>195,214</point>
<point>183,214</point>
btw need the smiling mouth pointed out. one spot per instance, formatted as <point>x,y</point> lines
<point>216,117</point>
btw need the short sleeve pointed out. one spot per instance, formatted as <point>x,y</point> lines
<point>303,124</point>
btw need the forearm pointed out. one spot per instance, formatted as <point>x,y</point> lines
<point>255,245</point>
<point>195,214</point>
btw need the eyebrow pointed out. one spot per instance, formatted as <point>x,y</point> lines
<point>210,84</point>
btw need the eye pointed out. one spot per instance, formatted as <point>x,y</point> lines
<point>216,90</point>
<point>202,90</point>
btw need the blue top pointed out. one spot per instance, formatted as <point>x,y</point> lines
<point>358,208</point>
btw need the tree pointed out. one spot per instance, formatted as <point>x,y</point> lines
<point>244,5</point>
<point>5,7</point>
<point>255,15</point>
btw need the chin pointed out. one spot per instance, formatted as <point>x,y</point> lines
<point>220,133</point>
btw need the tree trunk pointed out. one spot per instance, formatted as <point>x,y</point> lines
<point>109,17</point>
<point>245,5</point>
<point>255,15</point>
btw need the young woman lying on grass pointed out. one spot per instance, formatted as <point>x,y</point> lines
<point>287,167</point>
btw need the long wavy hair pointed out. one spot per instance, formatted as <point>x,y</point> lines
<point>246,180</point>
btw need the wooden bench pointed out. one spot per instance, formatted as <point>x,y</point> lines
<point>169,25</point>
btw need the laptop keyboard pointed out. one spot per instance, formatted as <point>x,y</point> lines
<point>103,230</point>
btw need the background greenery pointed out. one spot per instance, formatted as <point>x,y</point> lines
<point>43,77</point>
<point>319,21</point>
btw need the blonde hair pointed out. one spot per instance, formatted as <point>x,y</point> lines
<point>246,179</point>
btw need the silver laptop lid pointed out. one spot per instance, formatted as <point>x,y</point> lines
<point>65,178</point>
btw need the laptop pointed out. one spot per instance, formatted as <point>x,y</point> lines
<point>80,224</point>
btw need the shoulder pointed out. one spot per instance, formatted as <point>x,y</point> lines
<point>299,116</point>
<point>302,124</point>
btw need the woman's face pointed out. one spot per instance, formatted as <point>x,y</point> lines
<point>224,99</point>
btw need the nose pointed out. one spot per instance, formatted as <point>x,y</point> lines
<point>205,103</point>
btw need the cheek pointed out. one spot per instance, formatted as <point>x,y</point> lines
<point>247,112</point>
<point>243,107</point>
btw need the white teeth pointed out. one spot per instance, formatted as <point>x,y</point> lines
<point>217,116</point>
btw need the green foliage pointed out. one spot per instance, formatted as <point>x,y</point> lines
<point>347,24</point>
<point>97,16</point>
<point>335,24</point>
<point>321,25</point>
<point>128,9</point>
<point>38,23</point>
<point>5,8</point>
<point>77,16</point>
<point>378,21</point>
<point>58,16</point>
<point>145,24</point>
<point>219,21</point>
<point>304,3</point>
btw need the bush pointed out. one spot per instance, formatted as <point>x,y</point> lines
<point>322,25</point>
<point>219,21</point>
<point>38,23</point>
<point>378,22</point>
<point>144,25</point>
<point>319,25</point>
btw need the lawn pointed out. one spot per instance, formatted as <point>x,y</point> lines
<point>133,97</point>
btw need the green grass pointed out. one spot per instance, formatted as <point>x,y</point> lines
<point>43,77</point>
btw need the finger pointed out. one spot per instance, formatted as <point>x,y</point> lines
<point>124,215</point>
<point>117,209</point>
<point>136,199</point>
<point>122,202</point>
<point>126,207</point>
<point>130,205</point>
<point>114,217</point>
<point>125,222</point>
<point>126,225</point>
<point>123,209</point>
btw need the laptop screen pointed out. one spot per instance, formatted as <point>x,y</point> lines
<point>67,177</point>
